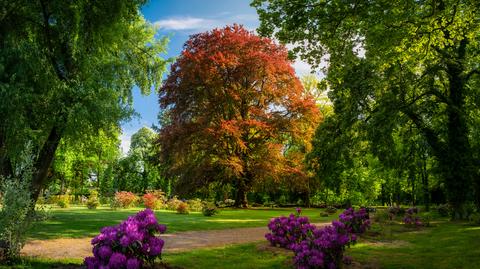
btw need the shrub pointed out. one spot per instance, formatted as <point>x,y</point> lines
<point>125,199</point>
<point>287,231</point>
<point>63,201</point>
<point>474,218</point>
<point>427,218</point>
<point>154,199</point>
<point>195,205</point>
<point>444,210</point>
<point>394,211</point>
<point>411,217</point>
<point>209,209</point>
<point>129,245</point>
<point>93,202</point>
<point>182,208</point>
<point>229,202</point>
<point>381,216</point>
<point>15,217</point>
<point>331,210</point>
<point>324,248</point>
<point>355,221</point>
<point>151,201</point>
<point>172,204</point>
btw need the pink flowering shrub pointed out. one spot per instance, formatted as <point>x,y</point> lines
<point>128,245</point>
<point>316,248</point>
<point>356,222</point>
<point>149,200</point>
<point>125,199</point>
<point>287,231</point>
<point>324,248</point>
<point>411,218</point>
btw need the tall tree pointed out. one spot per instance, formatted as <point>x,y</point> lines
<point>231,104</point>
<point>68,70</point>
<point>143,151</point>
<point>399,62</point>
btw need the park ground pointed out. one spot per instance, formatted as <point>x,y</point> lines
<point>445,244</point>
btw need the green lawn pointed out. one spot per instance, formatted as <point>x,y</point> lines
<point>446,245</point>
<point>77,222</point>
<point>243,256</point>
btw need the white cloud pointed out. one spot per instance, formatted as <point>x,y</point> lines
<point>125,139</point>
<point>196,24</point>
<point>186,23</point>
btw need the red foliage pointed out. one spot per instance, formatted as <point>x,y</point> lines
<point>150,201</point>
<point>232,104</point>
<point>125,199</point>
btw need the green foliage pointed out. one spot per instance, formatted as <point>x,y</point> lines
<point>68,70</point>
<point>444,210</point>
<point>475,218</point>
<point>16,214</point>
<point>426,218</point>
<point>209,209</point>
<point>93,202</point>
<point>401,76</point>
<point>63,200</point>
<point>195,205</point>
<point>331,210</point>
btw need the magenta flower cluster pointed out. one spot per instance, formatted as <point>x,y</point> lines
<point>128,245</point>
<point>287,231</point>
<point>356,222</point>
<point>314,247</point>
<point>324,248</point>
<point>411,218</point>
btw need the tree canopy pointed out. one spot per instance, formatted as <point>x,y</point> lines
<point>395,64</point>
<point>68,70</point>
<point>232,109</point>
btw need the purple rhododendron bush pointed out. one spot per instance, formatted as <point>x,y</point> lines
<point>356,222</point>
<point>129,245</point>
<point>318,248</point>
<point>287,231</point>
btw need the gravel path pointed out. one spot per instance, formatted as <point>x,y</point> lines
<point>176,242</point>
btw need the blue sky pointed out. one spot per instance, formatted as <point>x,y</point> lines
<point>178,19</point>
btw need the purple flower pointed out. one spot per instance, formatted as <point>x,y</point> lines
<point>129,244</point>
<point>133,263</point>
<point>90,262</point>
<point>299,210</point>
<point>104,252</point>
<point>117,261</point>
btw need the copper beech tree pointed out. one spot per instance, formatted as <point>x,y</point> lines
<point>232,109</point>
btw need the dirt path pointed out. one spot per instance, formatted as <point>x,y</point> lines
<point>176,242</point>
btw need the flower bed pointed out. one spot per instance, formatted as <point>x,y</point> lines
<point>129,245</point>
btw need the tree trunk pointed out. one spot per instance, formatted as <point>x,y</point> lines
<point>99,164</point>
<point>6,169</point>
<point>44,161</point>
<point>241,197</point>
<point>458,158</point>
<point>426,192</point>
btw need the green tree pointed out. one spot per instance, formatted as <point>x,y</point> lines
<point>396,62</point>
<point>144,153</point>
<point>67,69</point>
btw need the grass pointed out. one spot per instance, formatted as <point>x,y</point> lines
<point>446,245</point>
<point>78,222</point>
<point>243,256</point>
